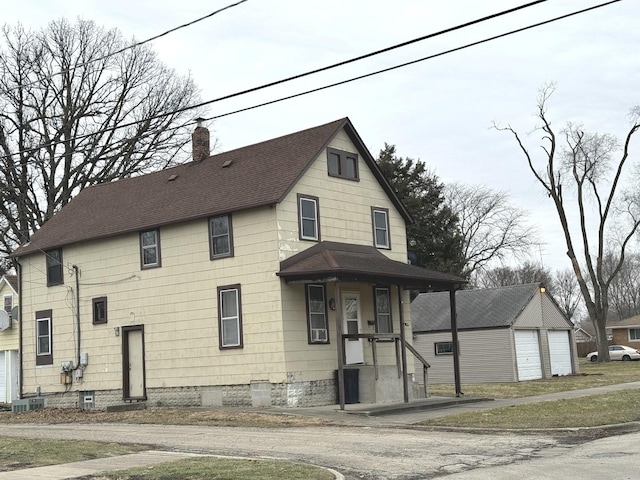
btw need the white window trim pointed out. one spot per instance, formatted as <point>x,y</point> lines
<point>236,317</point>
<point>377,228</point>
<point>315,237</point>
<point>4,302</point>
<point>155,245</point>
<point>38,336</point>
<point>378,314</point>
<point>316,331</point>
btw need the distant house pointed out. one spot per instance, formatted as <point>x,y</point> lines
<point>625,332</point>
<point>260,276</point>
<point>506,334</point>
<point>9,342</point>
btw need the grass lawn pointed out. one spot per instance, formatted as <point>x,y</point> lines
<point>591,375</point>
<point>595,410</point>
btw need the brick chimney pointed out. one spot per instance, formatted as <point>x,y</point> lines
<point>200,142</point>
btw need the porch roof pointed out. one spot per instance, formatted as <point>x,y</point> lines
<point>333,261</point>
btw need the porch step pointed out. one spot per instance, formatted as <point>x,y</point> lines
<point>373,410</point>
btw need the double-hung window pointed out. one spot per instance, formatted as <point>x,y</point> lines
<point>54,267</point>
<point>220,237</point>
<point>317,314</point>
<point>44,344</point>
<point>150,249</point>
<point>634,334</point>
<point>309,218</point>
<point>8,303</point>
<point>230,317</point>
<point>380,220</point>
<point>342,164</point>
<point>383,311</point>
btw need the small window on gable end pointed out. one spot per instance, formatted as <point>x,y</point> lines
<point>99,310</point>
<point>150,249</point>
<point>220,237</point>
<point>54,267</point>
<point>380,219</point>
<point>308,218</point>
<point>342,164</point>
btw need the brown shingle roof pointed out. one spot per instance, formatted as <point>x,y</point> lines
<point>256,175</point>
<point>626,323</point>
<point>332,260</point>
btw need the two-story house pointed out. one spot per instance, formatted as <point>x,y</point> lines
<point>9,341</point>
<point>258,277</point>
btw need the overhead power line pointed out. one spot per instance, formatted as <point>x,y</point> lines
<point>295,77</point>
<point>128,47</point>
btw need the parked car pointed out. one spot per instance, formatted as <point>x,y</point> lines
<point>617,352</point>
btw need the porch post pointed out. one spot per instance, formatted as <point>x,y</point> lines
<point>340,342</point>
<point>403,350</point>
<point>454,339</point>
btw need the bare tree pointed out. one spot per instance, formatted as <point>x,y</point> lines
<point>583,165</point>
<point>492,228</point>
<point>624,292</point>
<point>77,108</point>
<point>566,291</point>
<point>507,275</point>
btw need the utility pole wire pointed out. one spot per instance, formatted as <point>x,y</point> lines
<point>128,47</point>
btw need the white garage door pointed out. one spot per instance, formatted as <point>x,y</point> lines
<point>3,379</point>
<point>560,352</point>
<point>528,354</point>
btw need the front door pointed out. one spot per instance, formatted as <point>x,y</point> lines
<point>133,370</point>
<point>354,347</point>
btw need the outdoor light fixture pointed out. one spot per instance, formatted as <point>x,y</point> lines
<point>542,289</point>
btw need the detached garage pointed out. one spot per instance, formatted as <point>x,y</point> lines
<point>506,334</point>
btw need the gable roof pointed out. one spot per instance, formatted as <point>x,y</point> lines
<point>253,176</point>
<point>480,308</point>
<point>12,281</point>
<point>626,323</point>
<point>328,261</point>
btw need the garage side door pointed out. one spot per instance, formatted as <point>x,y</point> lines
<point>559,352</point>
<point>3,379</point>
<point>528,355</point>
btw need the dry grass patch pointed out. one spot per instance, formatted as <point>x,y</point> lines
<point>17,453</point>
<point>209,468</point>
<point>592,375</point>
<point>597,410</point>
<point>214,417</point>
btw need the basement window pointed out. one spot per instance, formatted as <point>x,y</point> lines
<point>444,348</point>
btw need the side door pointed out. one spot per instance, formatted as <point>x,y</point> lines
<point>354,347</point>
<point>133,368</point>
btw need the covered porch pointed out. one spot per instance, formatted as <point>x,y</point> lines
<point>340,266</point>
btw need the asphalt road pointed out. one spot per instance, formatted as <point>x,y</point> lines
<point>377,452</point>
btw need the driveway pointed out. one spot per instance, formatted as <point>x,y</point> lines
<point>357,452</point>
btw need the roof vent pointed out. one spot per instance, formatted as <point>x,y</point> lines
<point>227,163</point>
<point>172,178</point>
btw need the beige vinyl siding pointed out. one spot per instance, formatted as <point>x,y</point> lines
<point>176,303</point>
<point>552,317</point>
<point>9,338</point>
<point>345,208</point>
<point>485,356</point>
<point>531,316</point>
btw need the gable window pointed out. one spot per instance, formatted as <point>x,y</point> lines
<point>44,345</point>
<point>380,219</point>
<point>383,311</point>
<point>634,334</point>
<point>444,348</point>
<point>8,303</point>
<point>317,314</point>
<point>309,218</point>
<point>99,310</point>
<point>220,238</point>
<point>150,248</point>
<point>54,267</point>
<point>229,317</point>
<point>342,164</point>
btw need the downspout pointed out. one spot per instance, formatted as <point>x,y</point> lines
<point>75,269</point>
<point>403,341</point>
<point>20,375</point>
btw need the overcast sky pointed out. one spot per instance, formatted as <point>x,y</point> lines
<point>439,110</point>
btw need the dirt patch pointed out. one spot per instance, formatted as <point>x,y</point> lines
<point>223,417</point>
